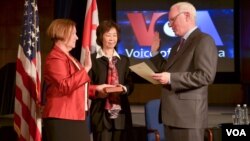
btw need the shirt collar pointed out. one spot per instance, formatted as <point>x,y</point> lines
<point>189,32</point>
<point>100,54</point>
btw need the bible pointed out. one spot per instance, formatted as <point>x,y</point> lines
<point>113,89</point>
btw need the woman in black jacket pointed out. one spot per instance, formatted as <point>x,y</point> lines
<point>110,113</point>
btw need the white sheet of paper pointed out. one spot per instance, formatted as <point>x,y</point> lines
<point>143,70</point>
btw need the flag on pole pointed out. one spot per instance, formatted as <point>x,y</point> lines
<point>27,121</point>
<point>89,30</point>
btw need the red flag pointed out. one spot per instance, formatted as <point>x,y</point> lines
<point>27,121</point>
<point>89,30</point>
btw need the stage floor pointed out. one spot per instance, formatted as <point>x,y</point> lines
<point>216,115</point>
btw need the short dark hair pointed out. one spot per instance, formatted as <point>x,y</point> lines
<point>104,27</point>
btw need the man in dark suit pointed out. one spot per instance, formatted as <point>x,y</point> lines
<point>185,76</point>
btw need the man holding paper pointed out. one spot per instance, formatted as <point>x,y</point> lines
<point>185,76</point>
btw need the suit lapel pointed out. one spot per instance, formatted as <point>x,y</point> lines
<point>175,55</point>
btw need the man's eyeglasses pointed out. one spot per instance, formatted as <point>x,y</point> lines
<point>172,20</point>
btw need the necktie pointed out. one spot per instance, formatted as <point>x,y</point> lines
<point>181,44</point>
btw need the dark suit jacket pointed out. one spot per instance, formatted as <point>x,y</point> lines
<point>184,102</point>
<point>98,74</point>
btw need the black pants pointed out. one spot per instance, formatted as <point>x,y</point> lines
<point>65,130</point>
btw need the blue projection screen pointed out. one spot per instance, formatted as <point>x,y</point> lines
<point>138,26</point>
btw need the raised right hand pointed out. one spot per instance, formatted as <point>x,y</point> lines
<point>87,59</point>
<point>156,42</point>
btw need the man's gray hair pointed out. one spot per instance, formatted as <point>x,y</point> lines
<point>186,7</point>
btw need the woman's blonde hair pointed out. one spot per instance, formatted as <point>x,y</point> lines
<point>60,29</point>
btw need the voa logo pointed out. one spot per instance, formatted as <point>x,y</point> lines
<point>236,132</point>
<point>144,31</point>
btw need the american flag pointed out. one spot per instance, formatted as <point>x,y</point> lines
<point>89,30</point>
<point>27,121</point>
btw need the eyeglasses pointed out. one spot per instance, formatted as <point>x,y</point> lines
<point>172,20</point>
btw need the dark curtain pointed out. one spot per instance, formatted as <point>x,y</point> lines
<point>62,8</point>
<point>7,88</point>
<point>74,10</point>
<point>244,22</point>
